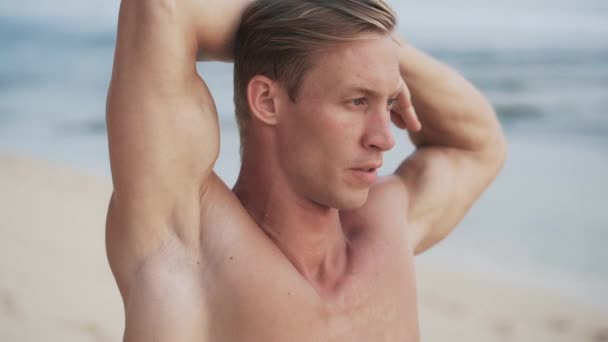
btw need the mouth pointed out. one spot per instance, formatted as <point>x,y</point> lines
<point>366,170</point>
<point>369,167</point>
<point>365,175</point>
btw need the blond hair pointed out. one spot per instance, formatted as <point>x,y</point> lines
<point>277,39</point>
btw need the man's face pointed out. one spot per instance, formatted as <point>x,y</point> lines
<point>331,141</point>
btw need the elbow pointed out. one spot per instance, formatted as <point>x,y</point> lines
<point>502,147</point>
<point>495,147</point>
<point>486,139</point>
<point>499,152</point>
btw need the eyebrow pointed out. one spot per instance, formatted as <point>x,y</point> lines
<point>369,91</point>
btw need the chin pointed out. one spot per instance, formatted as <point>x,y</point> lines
<point>350,200</point>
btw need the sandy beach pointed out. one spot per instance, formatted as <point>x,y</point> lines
<point>56,284</point>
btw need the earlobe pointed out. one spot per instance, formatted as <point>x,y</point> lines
<point>261,96</point>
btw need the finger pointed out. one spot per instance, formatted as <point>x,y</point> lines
<point>407,111</point>
<point>411,119</point>
<point>404,100</point>
<point>398,111</point>
<point>398,120</point>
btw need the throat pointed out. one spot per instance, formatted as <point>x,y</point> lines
<point>309,234</point>
<point>323,269</point>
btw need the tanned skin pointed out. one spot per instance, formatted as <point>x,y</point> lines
<point>308,245</point>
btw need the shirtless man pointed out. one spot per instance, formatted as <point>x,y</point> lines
<point>309,245</point>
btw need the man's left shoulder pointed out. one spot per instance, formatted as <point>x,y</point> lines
<point>385,210</point>
<point>387,197</point>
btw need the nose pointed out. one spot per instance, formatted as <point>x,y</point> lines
<point>378,134</point>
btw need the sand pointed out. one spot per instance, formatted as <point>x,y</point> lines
<point>56,285</point>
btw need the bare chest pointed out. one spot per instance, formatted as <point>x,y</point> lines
<point>376,302</point>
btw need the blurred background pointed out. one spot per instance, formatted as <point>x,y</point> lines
<point>542,63</point>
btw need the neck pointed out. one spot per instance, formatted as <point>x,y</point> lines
<point>310,235</point>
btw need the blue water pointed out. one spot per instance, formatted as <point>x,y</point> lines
<point>543,64</point>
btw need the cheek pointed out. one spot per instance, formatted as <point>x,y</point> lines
<point>343,129</point>
<point>336,132</point>
<point>324,135</point>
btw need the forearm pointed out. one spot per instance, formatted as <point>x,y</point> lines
<point>158,43</point>
<point>208,25</point>
<point>453,113</point>
<point>216,23</point>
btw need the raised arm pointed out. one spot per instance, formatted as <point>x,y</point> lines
<point>162,121</point>
<point>162,124</point>
<point>164,140</point>
<point>459,150</point>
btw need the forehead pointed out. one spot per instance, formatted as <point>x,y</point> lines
<point>370,63</point>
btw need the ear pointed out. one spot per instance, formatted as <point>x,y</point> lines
<point>262,99</point>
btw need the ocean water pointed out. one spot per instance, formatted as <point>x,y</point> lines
<point>543,65</point>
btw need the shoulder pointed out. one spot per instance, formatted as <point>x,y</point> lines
<point>384,214</point>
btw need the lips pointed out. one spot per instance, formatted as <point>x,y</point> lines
<point>365,170</point>
<point>366,173</point>
<point>364,177</point>
<point>368,167</point>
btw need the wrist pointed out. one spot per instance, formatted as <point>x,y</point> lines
<point>207,26</point>
<point>215,23</point>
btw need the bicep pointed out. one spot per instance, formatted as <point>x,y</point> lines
<point>160,143</point>
<point>162,122</point>
<point>442,184</point>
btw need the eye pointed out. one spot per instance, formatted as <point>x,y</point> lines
<point>359,101</point>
